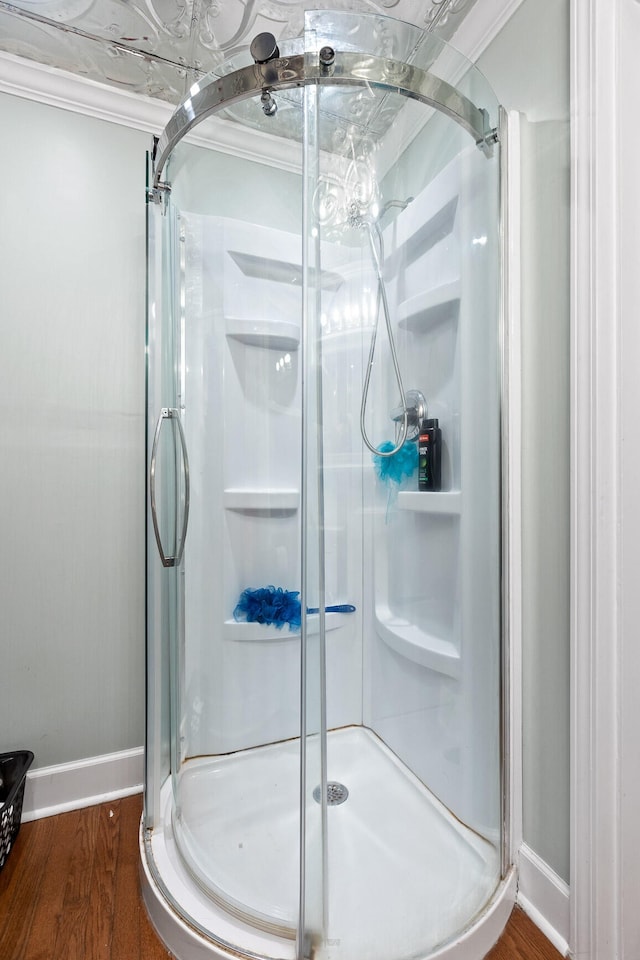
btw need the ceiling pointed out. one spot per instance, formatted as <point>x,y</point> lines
<point>159,47</point>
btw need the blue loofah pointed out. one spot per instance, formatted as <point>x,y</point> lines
<point>276,606</point>
<point>269,605</point>
<point>401,465</point>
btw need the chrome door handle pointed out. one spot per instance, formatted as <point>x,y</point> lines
<point>169,413</point>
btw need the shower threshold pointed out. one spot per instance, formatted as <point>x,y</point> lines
<point>398,860</point>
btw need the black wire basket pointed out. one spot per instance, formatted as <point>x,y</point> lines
<point>13,774</point>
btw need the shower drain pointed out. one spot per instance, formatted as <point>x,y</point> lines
<point>336,793</point>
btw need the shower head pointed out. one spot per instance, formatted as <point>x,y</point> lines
<point>402,204</point>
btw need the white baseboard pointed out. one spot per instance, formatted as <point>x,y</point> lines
<point>544,897</point>
<point>82,783</point>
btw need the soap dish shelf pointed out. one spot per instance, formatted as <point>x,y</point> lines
<point>266,333</point>
<point>260,632</point>
<point>417,645</point>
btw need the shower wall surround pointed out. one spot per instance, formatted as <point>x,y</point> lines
<point>242,315</point>
<point>431,605</point>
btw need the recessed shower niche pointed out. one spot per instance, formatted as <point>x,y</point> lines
<point>344,260</point>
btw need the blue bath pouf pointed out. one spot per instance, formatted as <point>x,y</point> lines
<point>401,465</point>
<point>271,605</point>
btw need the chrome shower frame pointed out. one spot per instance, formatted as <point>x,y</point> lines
<point>342,69</point>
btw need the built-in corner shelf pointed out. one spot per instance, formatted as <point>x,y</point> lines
<point>260,632</point>
<point>428,501</point>
<point>261,501</point>
<point>430,307</point>
<point>270,334</point>
<point>415,644</point>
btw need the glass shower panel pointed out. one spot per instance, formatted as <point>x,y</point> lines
<point>236,795</point>
<point>413,675</point>
<point>168,507</point>
<point>313,807</point>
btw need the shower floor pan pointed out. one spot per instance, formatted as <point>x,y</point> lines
<point>404,875</point>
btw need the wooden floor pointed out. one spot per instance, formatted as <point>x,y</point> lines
<point>70,891</point>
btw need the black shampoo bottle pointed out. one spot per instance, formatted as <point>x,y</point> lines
<point>429,455</point>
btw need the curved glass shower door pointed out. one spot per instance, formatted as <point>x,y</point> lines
<point>236,684</point>
<point>324,719</point>
<point>413,688</point>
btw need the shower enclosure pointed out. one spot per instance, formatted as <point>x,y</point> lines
<point>325,283</point>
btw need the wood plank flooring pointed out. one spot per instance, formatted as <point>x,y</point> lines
<point>70,891</point>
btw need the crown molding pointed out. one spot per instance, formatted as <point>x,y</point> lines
<point>58,88</point>
<point>482,25</point>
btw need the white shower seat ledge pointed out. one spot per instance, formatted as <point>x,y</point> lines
<point>417,645</point>
<point>260,632</point>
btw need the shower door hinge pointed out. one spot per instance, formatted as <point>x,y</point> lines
<point>159,193</point>
<point>491,136</point>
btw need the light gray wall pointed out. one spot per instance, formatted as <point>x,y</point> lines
<point>528,67</point>
<point>71,433</point>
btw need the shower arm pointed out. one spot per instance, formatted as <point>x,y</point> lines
<point>346,69</point>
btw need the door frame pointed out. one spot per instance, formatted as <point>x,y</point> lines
<point>605,512</point>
